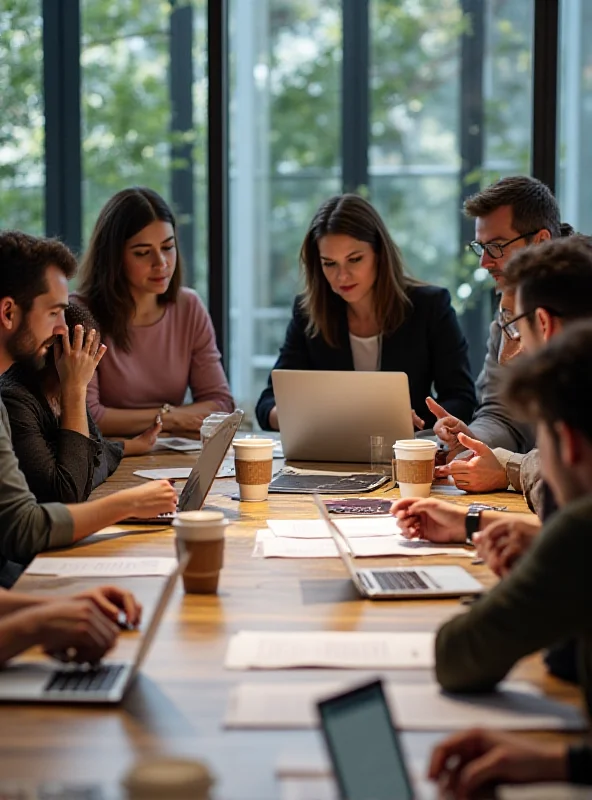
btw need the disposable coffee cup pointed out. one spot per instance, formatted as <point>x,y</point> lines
<point>169,779</point>
<point>253,461</point>
<point>413,466</point>
<point>201,535</point>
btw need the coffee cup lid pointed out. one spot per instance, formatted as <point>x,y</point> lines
<point>198,517</point>
<point>169,777</point>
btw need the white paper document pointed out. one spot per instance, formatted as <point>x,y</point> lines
<point>317,528</point>
<point>268,545</point>
<point>101,567</point>
<point>334,649</point>
<point>421,707</point>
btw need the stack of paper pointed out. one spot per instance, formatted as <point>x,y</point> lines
<point>419,707</point>
<point>368,538</point>
<point>337,649</point>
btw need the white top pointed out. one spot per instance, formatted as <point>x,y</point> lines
<point>365,352</point>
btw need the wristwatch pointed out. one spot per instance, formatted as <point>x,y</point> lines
<point>473,519</point>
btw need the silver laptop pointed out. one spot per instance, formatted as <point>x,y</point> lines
<point>330,415</point>
<point>40,682</point>
<point>364,745</point>
<point>204,471</point>
<point>385,583</point>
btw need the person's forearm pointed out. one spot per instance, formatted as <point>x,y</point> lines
<point>96,514</point>
<point>127,421</point>
<point>274,422</point>
<point>16,601</point>
<point>18,632</point>
<point>74,416</point>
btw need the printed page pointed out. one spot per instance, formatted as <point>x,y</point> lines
<point>269,546</point>
<point>169,474</point>
<point>101,567</point>
<point>419,707</point>
<point>318,528</point>
<point>334,649</point>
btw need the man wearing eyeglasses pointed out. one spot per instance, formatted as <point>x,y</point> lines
<point>509,215</point>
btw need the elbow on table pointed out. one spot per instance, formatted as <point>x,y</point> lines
<point>456,672</point>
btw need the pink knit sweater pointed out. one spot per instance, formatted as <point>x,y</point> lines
<point>177,352</point>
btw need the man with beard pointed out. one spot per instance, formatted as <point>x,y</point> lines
<point>34,275</point>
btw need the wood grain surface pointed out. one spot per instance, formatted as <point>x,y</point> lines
<point>177,704</point>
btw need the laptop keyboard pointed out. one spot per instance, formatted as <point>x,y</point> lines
<point>400,580</point>
<point>85,680</point>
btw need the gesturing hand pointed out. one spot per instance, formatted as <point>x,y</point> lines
<point>478,472</point>
<point>446,426</point>
<point>76,362</point>
<point>428,518</point>
<point>503,542</point>
<point>144,442</point>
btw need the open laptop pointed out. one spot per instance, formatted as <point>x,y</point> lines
<point>204,471</point>
<point>331,415</point>
<point>388,583</point>
<point>364,746</point>
<point>40,682</point>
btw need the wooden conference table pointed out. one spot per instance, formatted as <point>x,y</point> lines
<point>177,704</point>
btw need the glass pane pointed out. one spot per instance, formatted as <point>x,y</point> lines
<point>418,70</point>
<point>575,122</point>
<point>284,161</point>
<point>126,108</point>
<point>22,166</point>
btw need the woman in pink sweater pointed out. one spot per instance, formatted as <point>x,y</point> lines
<point>159,335</point>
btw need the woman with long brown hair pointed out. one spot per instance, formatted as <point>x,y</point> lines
<point>360,310</point>
<point>159,335</point>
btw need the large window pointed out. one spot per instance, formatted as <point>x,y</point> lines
<point>22,165</point>
<point>438,68</point>
<point>575,126</point>
<point>127,109</point>
<point>284,161</point>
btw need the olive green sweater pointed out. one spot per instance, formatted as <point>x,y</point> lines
<point>547,598</point>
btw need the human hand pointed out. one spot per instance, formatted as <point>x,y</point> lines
<point>76,363</point>
<point>502,543</point>
<point>466,762</point>
<point>417,421</point>
<point>75,629</point>
<point>446,426</point>
<point>428,518</point>
<point>144,442</point>
<point>182,419</point>
<point>150,499</point>
<point>112,600</point>
<point>478,472</point>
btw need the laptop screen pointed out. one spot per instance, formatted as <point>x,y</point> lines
<point>364,746</point>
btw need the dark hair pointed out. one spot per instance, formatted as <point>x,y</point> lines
<point>555,383</point>
<point>353,216</point>
<point>103,284</point>
<point>80,315</point>
<point>534,207</point>
<point>24,260</point>
<point>556,275</point>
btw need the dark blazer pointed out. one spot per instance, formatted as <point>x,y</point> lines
<point>60,465</point>
<point>429,346</point>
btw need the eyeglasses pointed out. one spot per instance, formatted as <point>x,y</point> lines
<point>510,329</point>
<point>495,250</point>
